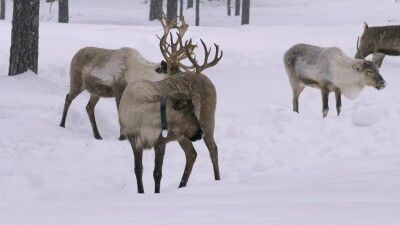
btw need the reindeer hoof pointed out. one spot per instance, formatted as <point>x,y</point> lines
<point>98,137</point>
<point>122,137</point>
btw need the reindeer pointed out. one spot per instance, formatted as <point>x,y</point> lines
<point>185,103</point>
<point>106,73</point>
<point>379,41</point>
<point>330,70</point>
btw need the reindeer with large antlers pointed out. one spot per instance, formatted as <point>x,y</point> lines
<point>181,108</point>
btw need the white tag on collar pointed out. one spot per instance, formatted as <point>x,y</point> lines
<point>164,133</point>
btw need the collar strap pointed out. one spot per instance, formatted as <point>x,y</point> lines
<point>163,107</point>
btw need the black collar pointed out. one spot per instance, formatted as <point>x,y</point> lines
<point>163,107</point>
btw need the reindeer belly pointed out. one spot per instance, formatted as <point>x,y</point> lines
<point>309,82</point>
<point>393,51</point>
<point>99,87</point>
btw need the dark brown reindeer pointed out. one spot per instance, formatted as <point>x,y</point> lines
<point>330,70</point>
<point>378,41</point>
<point>189,100</point>
<point>106,73</point>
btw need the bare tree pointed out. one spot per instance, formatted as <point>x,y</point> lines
<point>228,3</point>
<point>197,12</point>
<point>237,7</point>
<point>246,12</point>
<point>155,9</point>
<point>3,10</point>
<point>172,8</point>
<point>190,4</point>
<point>24,37</point>
<point>63,16</point>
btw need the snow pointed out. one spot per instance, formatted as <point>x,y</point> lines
<point>277,167</point>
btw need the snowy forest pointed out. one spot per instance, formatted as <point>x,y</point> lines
<point>219,84</point>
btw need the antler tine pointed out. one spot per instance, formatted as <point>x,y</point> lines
<point>206,64</point>
<point>207,52</point>
<point>183,28</point>
<point>358,39</point>
<point>216,58</point>
<point>189,53</point>
<point>186,68</point>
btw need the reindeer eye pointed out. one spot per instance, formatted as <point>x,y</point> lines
<point>370,72</point>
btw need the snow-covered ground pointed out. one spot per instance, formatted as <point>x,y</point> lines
<point>277,167</point>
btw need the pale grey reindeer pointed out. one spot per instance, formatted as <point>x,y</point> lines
<point>378,41</point>
<point>189,112</point>
<point>330,70</point>
<point>105,73</point>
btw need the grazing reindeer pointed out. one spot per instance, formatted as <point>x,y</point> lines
<point>379,41</point>
<point>186,101</point>
<point>330,70</point>
<point>105,73</point>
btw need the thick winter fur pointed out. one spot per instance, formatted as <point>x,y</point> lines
<point>379,41</point>
<point>139,117</point>
<point>105,73</point>
<point>330,70</point>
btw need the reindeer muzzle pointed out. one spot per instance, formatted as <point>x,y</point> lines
<point>198,136</point>
<point>381,85</point>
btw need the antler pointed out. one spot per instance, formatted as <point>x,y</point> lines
<point>358,39</point>
<point>174,52</point>
<point>206,64</point>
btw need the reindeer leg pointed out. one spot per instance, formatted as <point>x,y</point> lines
<point>325,97</point>
<point>213,149</point>
<point>118,96</point>
<point>90,111</point>
<point>159,150</point>
<point>191,156</point>
<point>296,93</point>
<point>138,155</point>
<point>68,100</point>
<point>338,97</point>
<point>378,59</point>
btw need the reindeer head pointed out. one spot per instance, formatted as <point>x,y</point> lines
<point>370,70</point>
<point>182,117</point>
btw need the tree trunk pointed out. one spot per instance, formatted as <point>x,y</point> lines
<point>229,7</point>
<point>246,12</point>
<point>155,9</point>
<point>152,14</point>
<point>172,9</point>
<point>190,4</point>
<point>63,11</point>
<point>197,12</point>
<point>24,37</point>
<point>3,10</point>
<point>237,7</point>
<point>181,8</point>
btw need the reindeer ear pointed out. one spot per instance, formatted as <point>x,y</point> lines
<point>164,65</point>
<point>180,101</point>
<point>358,66</point>
<point>159,70</point>
<point>179,104</point>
